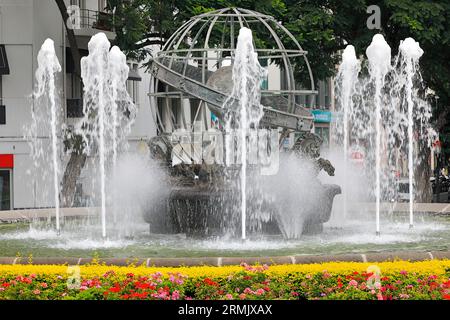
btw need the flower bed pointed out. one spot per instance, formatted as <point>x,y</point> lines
<point>340,280</point>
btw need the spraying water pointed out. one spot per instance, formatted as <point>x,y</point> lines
<point>411,53</point>
<point>347,78</point>
<point>247,76</point>
<point>379,55</point>
<point>108,109</point>
<point>384,109</point>
<point>48,66</point>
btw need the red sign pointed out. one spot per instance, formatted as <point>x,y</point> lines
<point>7,161</point>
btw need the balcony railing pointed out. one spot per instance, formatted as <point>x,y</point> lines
<point>96,20</point>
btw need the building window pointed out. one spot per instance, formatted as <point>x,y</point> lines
<point>74,97</point>
<point>133,90</point>
<point>133,82</point>
<point>2,114</point>
<point>327,93</point>
<point>5,189</point>
<point>75,108</point>
<point>2,107</point>
<point>80,3</point>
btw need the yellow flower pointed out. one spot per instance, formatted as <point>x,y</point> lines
<point>436,267</point>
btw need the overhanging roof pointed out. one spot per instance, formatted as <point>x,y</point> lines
<point>4,66</point>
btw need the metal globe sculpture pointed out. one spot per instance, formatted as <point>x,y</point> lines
<point>191,81</point>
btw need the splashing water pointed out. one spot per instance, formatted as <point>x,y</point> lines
<point>107,107</point>
<point>379,55</point>
<point>385,109</point>
<point>347,78</point>
<point>45,96</point>
<point>410,52</point>
<point>247,76</point>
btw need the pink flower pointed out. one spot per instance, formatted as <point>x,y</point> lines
<point>308,276</point>
<point>294,294</point>
<point>353,283</point>
<point>237,290</point>
<point>37,291</point>
<point>175,295</point>
<point>32,276</point>
<point>229,296</point>
<point>380,296</point>
<point>403,272</point>
<point>260,292</point>
<point>242,296</point>
<point>59,277</point>
<point>248,290</point>
<point>404,295</point>
<point>44,285</point>
<point>2,289</point>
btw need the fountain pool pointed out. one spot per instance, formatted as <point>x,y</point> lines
<point>356,236</point>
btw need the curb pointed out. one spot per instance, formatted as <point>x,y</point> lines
<point>412,256</point>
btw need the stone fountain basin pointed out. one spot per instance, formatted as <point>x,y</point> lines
<point>203,211</point>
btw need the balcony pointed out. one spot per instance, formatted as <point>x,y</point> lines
<point>92,22</point>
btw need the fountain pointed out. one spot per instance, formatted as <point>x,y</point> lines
<point>107,107</point>
<point>410,53</point>
<point>215,200</point>
<point>208,87</point>
<point>48,66</point>
<point>247,76</point>
<point>387,99</point>
<point>347,78</point>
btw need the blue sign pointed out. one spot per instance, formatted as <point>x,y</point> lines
<point>323,116</point>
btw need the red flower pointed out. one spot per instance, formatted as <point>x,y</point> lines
<point>446,296</point>
<point>142,295</point>
<point>116,288</point>
<point>144,285</point>
<point>209,282</point>
<point>5,285</point>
